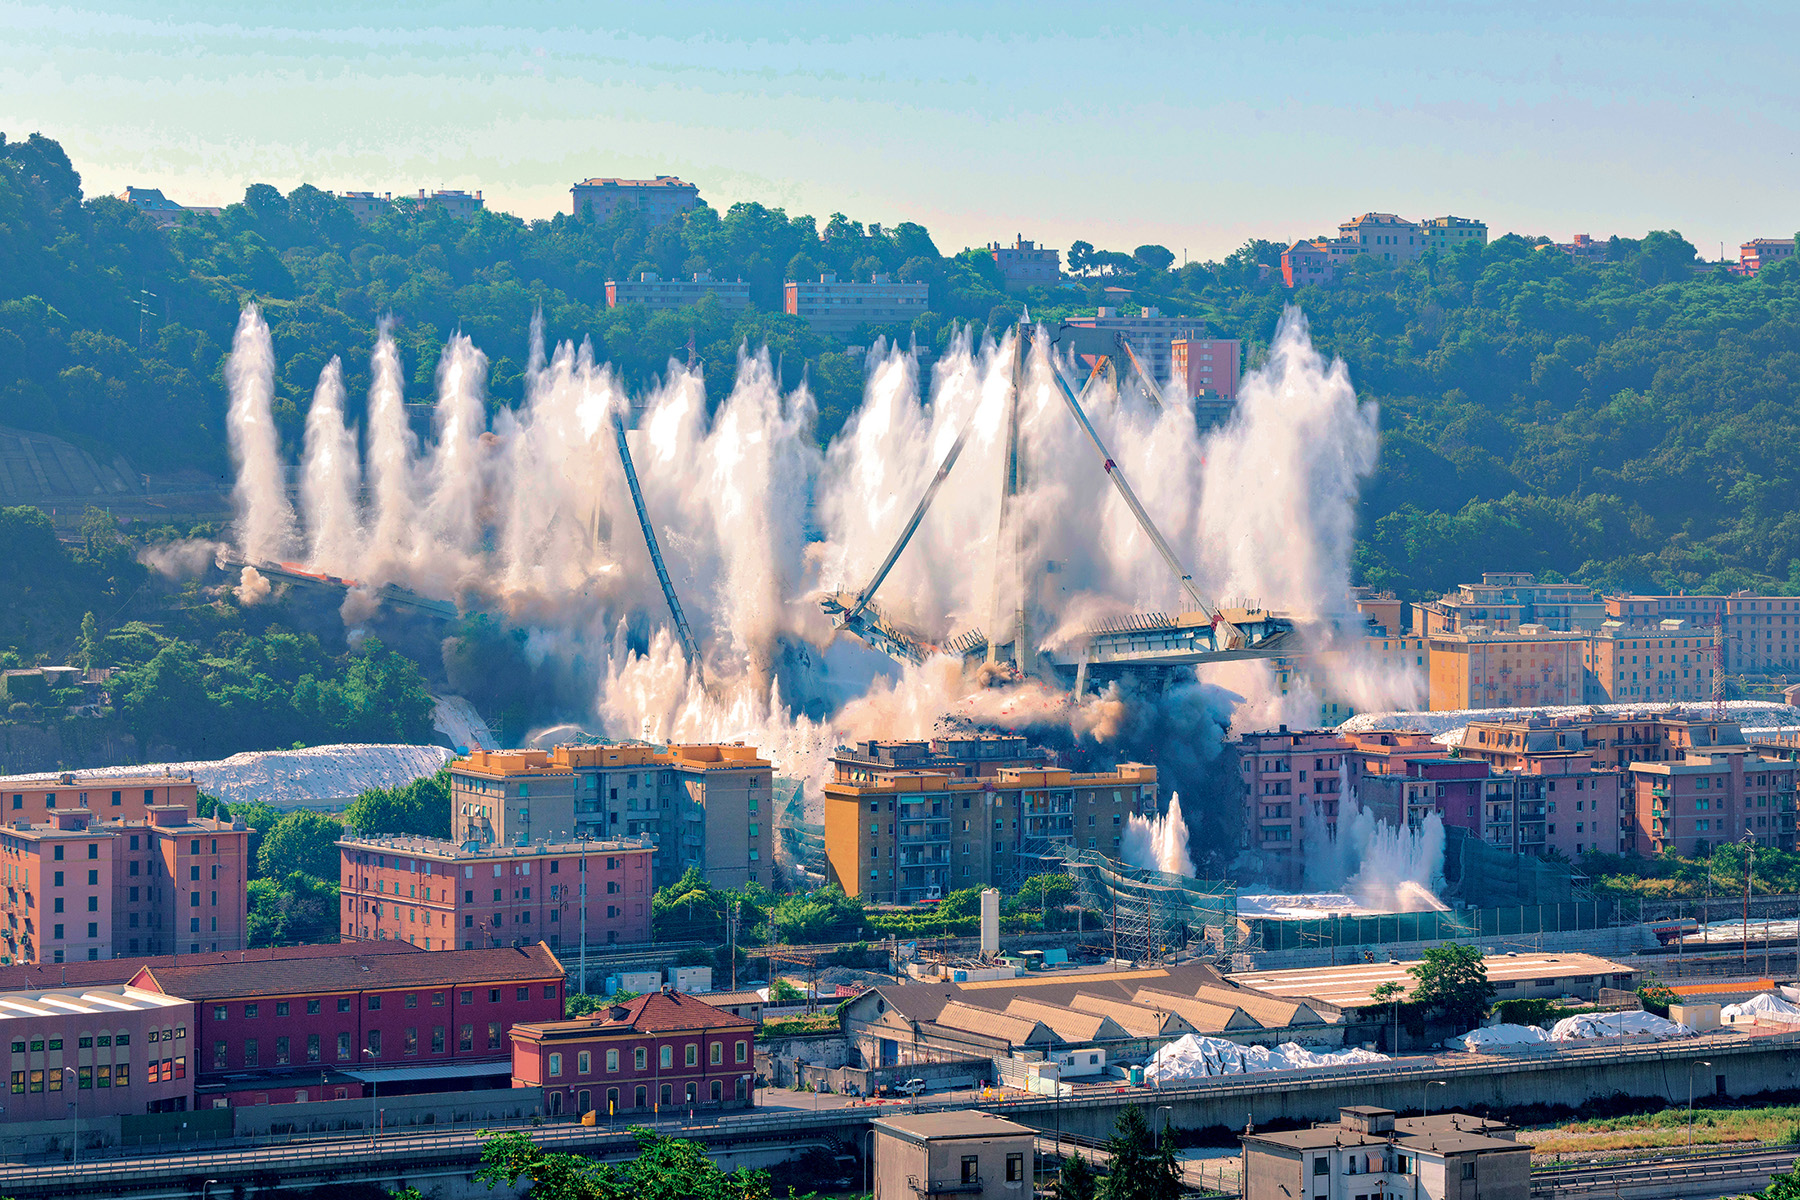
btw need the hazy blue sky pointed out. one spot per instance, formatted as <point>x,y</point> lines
<point>1196,125</point>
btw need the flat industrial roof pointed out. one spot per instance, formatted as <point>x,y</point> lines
<point>1351,986</point>
<point>966,1122</point>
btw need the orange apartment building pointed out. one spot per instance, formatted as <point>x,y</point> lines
<point>911,835</point>
<point>1290,781</point>
<point>1530,667</point>
<point>35,798</point>
<point>657,199</point>
<point>706,806</point>
<point>1709,799</point>
<point>1762,633</point>
<point>77,889</point>
<point>1666,662</point>
<point>438,895</point>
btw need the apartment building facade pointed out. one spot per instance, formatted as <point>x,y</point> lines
<point>1026,264</point>
<point>911,835</point>
<point>1708,799</point>
<point>440,895</point>
<point>1761,633</point>
<point>83,890</point>
<point>1529,667</point>
<point>37,798</point>
<point>1663,663</point>
<point>657,200</point>
<point>1290,782</point>
<point>706,806</point>
<point>1205,368</point>
<point>1758,253</point>
<point>835,306</point>
<point>653,291</point>
<point>960,756</point>
<point>1506,600</point>
<point>661,1052</point>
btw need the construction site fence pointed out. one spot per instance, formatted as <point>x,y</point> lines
<point>1468,924</point>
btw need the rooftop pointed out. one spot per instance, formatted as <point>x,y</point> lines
<point>351,970</point>
<point>25,977</point>
<point>959,1123</point>
<point>438,848</point>
<point>1444,1133</point>
<point>654,1012</point>
<point>67,1001</point>
<point>1352,986</point>
<point>661,181</point>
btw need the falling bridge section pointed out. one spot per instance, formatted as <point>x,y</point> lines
<point>688,645</point>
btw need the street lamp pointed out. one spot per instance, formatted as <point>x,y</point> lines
<point>1164,1108</point>
<point>204,1184</point>
<point>869,1161</point>
<point>1692,1063</point>
<point>1425,1095</point>
<point>74,1115</point>
<point>374,1086</point>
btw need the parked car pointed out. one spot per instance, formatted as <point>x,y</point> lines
<point>911,1087</point>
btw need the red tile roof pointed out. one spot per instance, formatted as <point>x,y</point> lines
<point>657,1012</point>
<point>355,972</point>
<point>120,970</point>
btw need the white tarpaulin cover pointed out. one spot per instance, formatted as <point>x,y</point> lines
<point>1765,1007</point>
<point>1499,1035</point>
<point>317,777</point>
<point>1197,1057</point>
<point>1615,1025</point>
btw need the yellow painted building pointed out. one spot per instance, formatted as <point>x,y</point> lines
<point>915,835</point>
<point>1507,670</point>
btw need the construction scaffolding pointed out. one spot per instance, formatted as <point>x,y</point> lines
<point>1148,916</point>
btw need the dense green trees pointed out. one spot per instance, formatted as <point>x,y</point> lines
<point>418,809</point>
<point>1631,422</point>
<point>1453,978</point>
<point>665,1169</point>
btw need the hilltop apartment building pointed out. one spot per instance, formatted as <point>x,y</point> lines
<point>657,199</point>
<point>907,835</point>
<point>1026,264</point>
<point>706,806</point>
<point>835,306</point>
<point>653,291</point>
<point>1391,238</point>
<point>80,889</point>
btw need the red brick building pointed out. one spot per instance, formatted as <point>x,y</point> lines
<point>77,887</point>
<point>660,1051</point>
<point>318,1027</point>
<point>1205,366</point>
<point>440,896</point>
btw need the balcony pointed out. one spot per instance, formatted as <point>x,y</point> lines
<point>944,1187</point>
<point>1660,792</point>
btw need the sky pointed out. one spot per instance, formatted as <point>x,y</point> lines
<point>1193,125</point>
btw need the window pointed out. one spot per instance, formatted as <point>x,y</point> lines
<point>743,1051</point>
<point>692,1057</point>
<point>612,1060</point>
<point>666,1057</point>
<point>524,992</point>
<point>465,1038</point>
<point>1015,1168</point>
<point>312,1006</point>
<point>281,1008</point>
<point>437,1039</point>
<point>493,1035</point>
<point>639,1059</point>
<point>312,1047</point>
<point>374,1003</point>
<point>343,1047</point>
<point>1321,1166</point>
<point>374,1043</point>
<point>555,1065</point>
<point>343,1004</point>
<point>717,1054</point>
<point>412,1040</point>
<point>1468,1169</point>
<point>250,1054</point>
<point>971,1168</point>
<point>584,1062</point>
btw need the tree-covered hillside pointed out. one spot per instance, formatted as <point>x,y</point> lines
<point>1632,423</point>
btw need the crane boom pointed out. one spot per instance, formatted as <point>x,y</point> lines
<point>1233,637</point>
<point>688,644</point>
<point>887,564</point>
